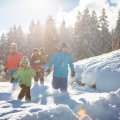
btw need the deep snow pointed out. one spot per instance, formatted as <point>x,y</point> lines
<point>103,70</point>
<point>82,102</point>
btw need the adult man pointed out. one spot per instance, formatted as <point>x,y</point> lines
<point>61,60</point>
<point>13,62</point>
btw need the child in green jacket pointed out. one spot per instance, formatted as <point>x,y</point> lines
<point>24,74</point>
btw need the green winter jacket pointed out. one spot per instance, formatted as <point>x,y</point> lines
<point>24,75</point>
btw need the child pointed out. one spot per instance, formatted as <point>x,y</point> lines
<point>35,63</point>
<point>24,75</point>
<point>42,65</point>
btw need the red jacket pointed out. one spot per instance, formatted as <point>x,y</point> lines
<point>13,61</point>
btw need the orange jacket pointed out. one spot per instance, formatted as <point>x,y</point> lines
<point>36,68</point>
<point>13,61</point>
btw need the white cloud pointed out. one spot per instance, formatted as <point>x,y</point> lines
<point>97,5</point>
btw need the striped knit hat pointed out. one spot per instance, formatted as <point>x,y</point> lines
<point>25,60</point>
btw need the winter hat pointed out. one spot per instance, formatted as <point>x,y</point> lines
<point>25,60</point>
<point>35,49</point>
<point>42,49</point>
<point>14,45</point>
<point>63,45</point>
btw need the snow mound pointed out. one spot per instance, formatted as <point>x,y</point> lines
<point>102,71</point>
<point>38,90</point>
<point>105,108</point>
<point>60,112</point>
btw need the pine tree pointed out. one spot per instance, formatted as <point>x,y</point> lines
<point>105,35</point>
<point>3,46</point>
<point>94,37</point>
<point>78,24</point>
<point>21,40</point>
<point>50,36</point>
<point>86,34</point>
<point>17,36</point>
<point>35,36</point>
<point>76,43</point>
<point>117,29</point>
<point>3,38</point>
<point>62,32</point>
<point>66,35</point>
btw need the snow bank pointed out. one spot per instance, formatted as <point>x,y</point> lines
<point>16,110</point>
<point>38,90</point>
<point>61,112</point>
<point>104,71</point>
<point>105,108</point>
<point>65,107</point>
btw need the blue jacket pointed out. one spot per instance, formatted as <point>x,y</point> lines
<point>61,60</point>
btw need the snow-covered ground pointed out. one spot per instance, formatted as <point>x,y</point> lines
<point>103,70</point>
<point>80,103</point>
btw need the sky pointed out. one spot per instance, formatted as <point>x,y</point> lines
<point>21,12</point>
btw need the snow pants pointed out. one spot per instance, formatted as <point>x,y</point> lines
<point>25,92</point>
<point>59,83</point>
<point>39,75</point>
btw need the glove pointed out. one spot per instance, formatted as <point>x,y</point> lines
<point>48,71</point>
<point>12,79</point>
<point>73,74</point>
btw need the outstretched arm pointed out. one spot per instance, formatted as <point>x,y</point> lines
<point>71,64</point>
<point>16,74</point>
<point>51,62</point>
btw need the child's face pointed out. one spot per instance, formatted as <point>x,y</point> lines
<point>36,52</point>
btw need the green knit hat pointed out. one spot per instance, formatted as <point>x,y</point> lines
<point>25,60</point>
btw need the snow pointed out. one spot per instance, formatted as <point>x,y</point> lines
<point>102,71</point>
<point>79,103</point>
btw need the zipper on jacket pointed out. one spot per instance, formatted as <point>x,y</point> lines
<point>62,59</point>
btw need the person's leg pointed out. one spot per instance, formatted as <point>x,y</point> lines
<point>56,83</point>
<point>22,92</point>
<point>15,82</point>
<point>28,96</point>
<point>36,78</point>
<point>42,76</point>
<point>63,84</point>
<point>15,85</point>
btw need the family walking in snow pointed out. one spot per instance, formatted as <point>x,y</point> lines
<point>22,71</point>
